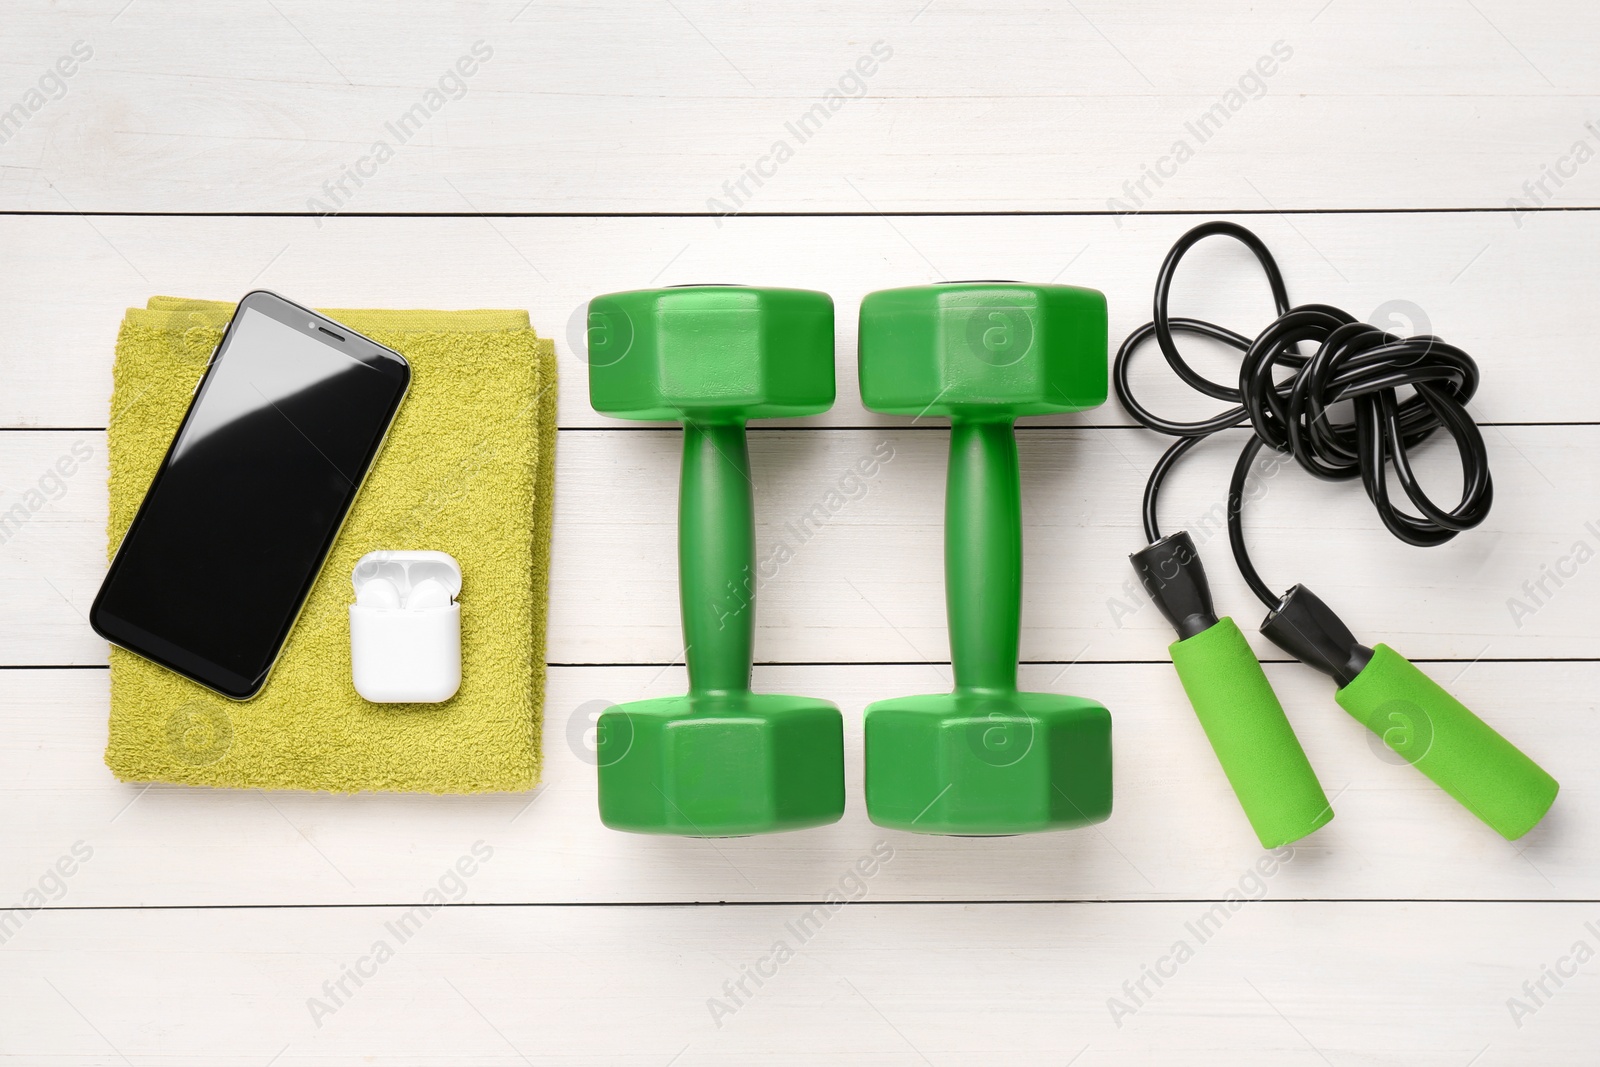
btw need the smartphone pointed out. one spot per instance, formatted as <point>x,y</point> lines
<point>284,425</point>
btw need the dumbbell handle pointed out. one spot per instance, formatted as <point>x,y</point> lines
<point>983,553</point>
<point>716,557</point>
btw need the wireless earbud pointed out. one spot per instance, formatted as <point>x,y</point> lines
<point>428,593</point>
<point>383,594</point>
<point>378,593</point>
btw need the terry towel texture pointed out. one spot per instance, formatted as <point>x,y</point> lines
<point>468,468</point>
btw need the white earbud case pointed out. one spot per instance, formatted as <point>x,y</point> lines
<point>405,627</point>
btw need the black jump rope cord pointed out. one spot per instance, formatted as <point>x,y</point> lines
<point>1354,361</point>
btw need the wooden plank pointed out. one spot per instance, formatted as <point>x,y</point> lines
<point>1517,298</point>
<point>849,567</point>
<point>650,107</point>
<point>1177,832</point>
<point>1271,984</point>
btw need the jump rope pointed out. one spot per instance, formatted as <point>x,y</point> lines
<point>1292,414</point>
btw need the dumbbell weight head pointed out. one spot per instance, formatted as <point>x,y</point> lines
<point>980,764</point>
<point>991,349</point>
<point>713,352</point>
<point>986,759</point>
<point>723,764</point>
<point>720,761</point>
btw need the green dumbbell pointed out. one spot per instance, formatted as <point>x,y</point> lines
<point>985,759</point>
<point>721,761</point>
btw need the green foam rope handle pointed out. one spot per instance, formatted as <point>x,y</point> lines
<point>1251,735</point>
<point>1439,736</point>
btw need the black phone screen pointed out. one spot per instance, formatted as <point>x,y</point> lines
<point>242,512</point>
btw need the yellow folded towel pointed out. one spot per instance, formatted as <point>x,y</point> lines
<point>468,469</point>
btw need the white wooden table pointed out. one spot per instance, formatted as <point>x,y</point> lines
<point>1424,152</point>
